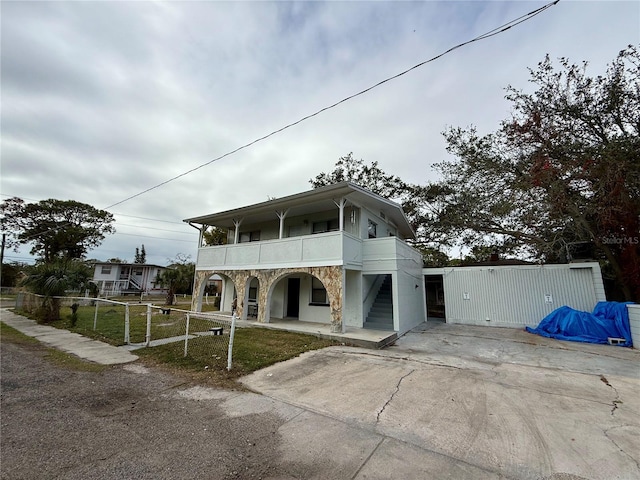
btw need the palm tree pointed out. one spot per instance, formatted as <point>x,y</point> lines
<point>178,278</point>
<point>52,280</point>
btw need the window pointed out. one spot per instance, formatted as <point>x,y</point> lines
<point>318,292</point>
<point>253,294</point>
<point>372,229</point>
<point>137,271</point>
<point>250,236</point>
<point>106,270</point>
<point>326,226</point>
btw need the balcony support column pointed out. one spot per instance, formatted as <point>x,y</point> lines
<point>282,215</point>
<point>340,204</point>
<point>236,224</point>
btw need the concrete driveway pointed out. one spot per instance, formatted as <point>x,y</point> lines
<point>471,402</point>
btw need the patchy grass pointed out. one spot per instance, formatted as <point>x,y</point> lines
<point>253,349</point>
<point>110,323</point>
<point>62,359</point>
<point>206,362</point>
<point>11,335</point>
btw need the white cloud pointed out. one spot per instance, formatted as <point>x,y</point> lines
<point>101,101</point>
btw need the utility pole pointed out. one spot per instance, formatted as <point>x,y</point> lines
<point>4,238</point>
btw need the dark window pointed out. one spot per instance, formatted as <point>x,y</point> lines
<point>106,270</point>
<point>372,229</point>
<point>250,236</point>
<point>318,292</point>
<point>326,226</point>
<point>253,293</point>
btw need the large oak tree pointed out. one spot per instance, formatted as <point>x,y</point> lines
<point>56,229</point>
<point>565,169</point>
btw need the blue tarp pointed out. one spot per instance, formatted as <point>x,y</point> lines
<point>608,319</point>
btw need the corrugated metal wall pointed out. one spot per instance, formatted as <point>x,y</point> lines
<point>634,323</point>
<point>517,295</point>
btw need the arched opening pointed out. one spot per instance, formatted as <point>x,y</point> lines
<point>298,296</point>
<point>227,294</point>
<point>213,291</point>
<point>251,298</point>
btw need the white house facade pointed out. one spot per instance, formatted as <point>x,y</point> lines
<point>335,255</point>
<point>338,255</point>
<point>127,278</point>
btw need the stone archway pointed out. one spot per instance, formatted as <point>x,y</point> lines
<point>331,278</point>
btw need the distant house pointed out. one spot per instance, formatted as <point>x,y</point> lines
<point>338,255</point>
<point>127,278</point>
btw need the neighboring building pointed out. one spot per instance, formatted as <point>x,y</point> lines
<point>337,255</point>
<point>127,278</point>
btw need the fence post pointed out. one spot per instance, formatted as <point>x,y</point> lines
<point>147,337</point>
<point>231,334</point>
<point>126,324</point>
<point>186,336</point>
<point>95,316</point>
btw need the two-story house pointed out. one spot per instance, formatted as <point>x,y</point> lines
<point>335,255</point>
<point>127,278</point>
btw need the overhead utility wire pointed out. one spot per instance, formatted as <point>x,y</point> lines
<point>491,33</point>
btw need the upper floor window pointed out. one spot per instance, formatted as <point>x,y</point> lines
<point>106,270</point>
<point>250,236</point>
<point>326,226</point>
<point>372,229</point>
<point>137,271</point>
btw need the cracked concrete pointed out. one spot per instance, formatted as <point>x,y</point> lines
<point>617,400</point>
<point>392,395</point>
<point>504,402</point>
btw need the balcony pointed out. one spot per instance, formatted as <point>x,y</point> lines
<point>323,249</point>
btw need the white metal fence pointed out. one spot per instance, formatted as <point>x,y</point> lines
<point>203,336</point>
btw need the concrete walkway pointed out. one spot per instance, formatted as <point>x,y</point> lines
<point>76,344</point>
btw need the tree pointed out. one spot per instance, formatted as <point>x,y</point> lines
<point>564,169</point>
<point>57,229</point>
<point>215,236</point>
<point>371,177</point>
<point>52,280</point>
<point>416,200</point>
<point>178,277</point>
<point>141,255</point>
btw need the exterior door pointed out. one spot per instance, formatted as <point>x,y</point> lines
<point>293,297</point>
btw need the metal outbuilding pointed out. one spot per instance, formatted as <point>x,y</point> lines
<point>510,295</point>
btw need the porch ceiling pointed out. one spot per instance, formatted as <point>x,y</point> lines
<point>312,201</point>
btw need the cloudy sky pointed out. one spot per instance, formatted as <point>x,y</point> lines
<point>103,100</point>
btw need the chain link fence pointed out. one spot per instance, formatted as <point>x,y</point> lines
<point>203,336</point>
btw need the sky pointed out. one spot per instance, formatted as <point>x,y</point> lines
<point>101,101</point>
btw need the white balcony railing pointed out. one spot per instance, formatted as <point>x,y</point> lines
<point>324,249</point>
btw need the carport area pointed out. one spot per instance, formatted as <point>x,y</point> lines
<point>456,401</point>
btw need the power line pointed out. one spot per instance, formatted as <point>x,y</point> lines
<point>146,218</point>
<point>113,213</point>
<point>155,238</point>
<point>192,232</point>
<point>491,33</point>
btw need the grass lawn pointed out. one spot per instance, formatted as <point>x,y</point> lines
<point>253,348</point>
